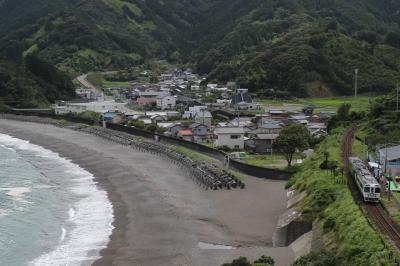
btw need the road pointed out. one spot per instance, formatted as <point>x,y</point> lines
<point>83,80</point>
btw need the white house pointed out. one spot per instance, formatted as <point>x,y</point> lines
<point>192,111</point>
<point>231,137</point>
<point>166,102</point>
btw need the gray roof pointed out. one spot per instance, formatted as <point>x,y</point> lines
<point>205,114</point>
<point>270,125</point>
<point>265,136</point>
<point>163,95</point>
<point>229,130</point>
<point>393,153</point>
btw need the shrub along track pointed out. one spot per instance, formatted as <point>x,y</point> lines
<point>375,212</point>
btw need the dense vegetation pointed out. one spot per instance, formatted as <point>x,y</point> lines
<point>275,47</point>
<point>32,83</point>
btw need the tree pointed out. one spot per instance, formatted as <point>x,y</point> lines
<point>242,261</point>
<point>291,139</point>
<point>344,112</point>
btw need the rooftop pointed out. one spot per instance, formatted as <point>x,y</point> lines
<point>229,130</point>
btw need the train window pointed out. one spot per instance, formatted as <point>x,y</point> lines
<point>366,189</point>
<point>377,190</point>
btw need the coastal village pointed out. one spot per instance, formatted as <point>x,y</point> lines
<point>181,105</point>
<point>184,106</point>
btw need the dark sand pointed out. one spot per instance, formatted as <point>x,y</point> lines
<point>160,214</point>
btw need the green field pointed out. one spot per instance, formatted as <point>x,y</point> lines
<point>322,104</point>
<point>270,161</point>
<point>335,103</point>
<point>109,84</point>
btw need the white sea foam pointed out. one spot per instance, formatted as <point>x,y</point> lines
<point>91,217</point>
<point>17,193</point>
<point>63,234</point>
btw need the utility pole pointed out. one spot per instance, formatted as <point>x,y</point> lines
<point>355,88</point>
<point>397,96</point>
<point>237,103</point>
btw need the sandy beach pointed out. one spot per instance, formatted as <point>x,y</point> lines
<point>162,217</point>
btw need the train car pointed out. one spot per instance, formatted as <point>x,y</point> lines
<point>368,186</point>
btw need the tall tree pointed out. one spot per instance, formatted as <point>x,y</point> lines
<point>292,139</point>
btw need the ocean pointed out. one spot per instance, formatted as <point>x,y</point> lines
<point>51,210</point>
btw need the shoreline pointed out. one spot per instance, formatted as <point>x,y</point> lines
<point>160,215</point>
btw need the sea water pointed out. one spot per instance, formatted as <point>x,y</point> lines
<point>51,210</point>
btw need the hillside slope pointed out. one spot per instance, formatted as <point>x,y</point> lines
<point>274,47</point>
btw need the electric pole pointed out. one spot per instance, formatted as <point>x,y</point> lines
<point>397,96</point>
<point>355,88</point>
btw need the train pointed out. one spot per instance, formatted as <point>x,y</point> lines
<point>366,183</point>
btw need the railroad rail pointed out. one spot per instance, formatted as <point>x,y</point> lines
<point>375,212</point>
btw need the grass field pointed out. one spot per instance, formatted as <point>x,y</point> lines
<point>109,84</point>
<point>274,161</point>
<point>323,104</point>
<point>335,103</point>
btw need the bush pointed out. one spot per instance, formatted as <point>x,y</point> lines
<point>322,258</point>
<point>265,260</point>
<point>242,261</point>
<point>329,224</point>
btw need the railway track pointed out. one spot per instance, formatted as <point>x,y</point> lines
<point>375,212</point>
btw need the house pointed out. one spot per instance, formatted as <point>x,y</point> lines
<point>185,134</point>
<point>299,119</point>
<point>109,116</point>
<point>325,116</point>
<point>231,137</point>
<point>193,110</point>
<point>318,129</point>
<point>173,129</point>
<point>277,112</point>
<point>155,119</point>
<point>390,159</point>
<point>203,117</point>
<point>171,115</point>
<point>201,133</point>
<point>242,121</point>
<point>262,139</point>
<point>308,110</point>
<point>146,101</point>
<point>166,102</point>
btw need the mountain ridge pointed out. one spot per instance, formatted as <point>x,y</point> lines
<point>287,47</point>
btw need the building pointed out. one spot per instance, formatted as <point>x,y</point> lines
<point>201,133</point>
<point>390,159</point>
<point>146,101</point>
<point>193,110</point>
<point>262,139</point>
<point>318,129</point>
<point>230,137</point>
<point>185,134</point>
<point>166,102</point>
<point>172,129</point>
<point>203,117</point>
<point>98,107</point>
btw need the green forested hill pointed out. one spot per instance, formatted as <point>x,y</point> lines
<point>297,47</point>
